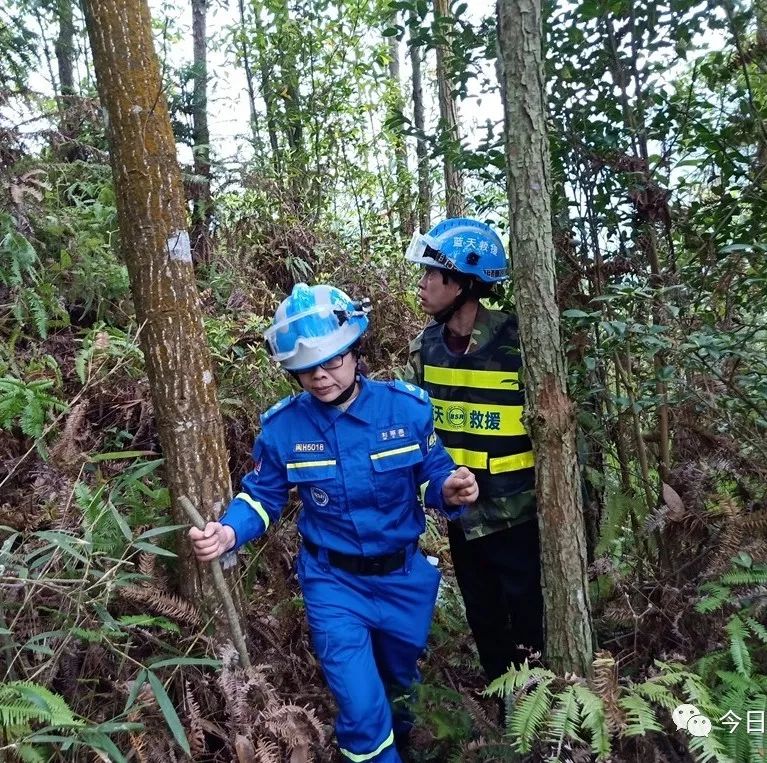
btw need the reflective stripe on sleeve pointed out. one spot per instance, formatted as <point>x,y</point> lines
<point>512,463</point>
<point>395,452</point>
<point>256,506</point>
<point>464,377</point>
<point>368,756</point>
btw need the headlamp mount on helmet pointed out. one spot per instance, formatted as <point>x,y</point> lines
<point>360,307</point>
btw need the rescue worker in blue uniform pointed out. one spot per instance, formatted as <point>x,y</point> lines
<point>361,453</point>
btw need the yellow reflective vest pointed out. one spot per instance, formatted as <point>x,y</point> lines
<point>478,402</point>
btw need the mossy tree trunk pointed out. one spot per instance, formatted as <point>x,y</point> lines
<point>450,136</point>
<point>421,149</point>
<point>155,245</point>
<point>202,211</point>
<point>569,641</point>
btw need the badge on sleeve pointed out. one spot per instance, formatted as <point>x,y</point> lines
<point>432,440</point>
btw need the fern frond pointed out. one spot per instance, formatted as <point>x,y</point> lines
<point>707,749</point>
<point>594,720</point>
<point>146,565</point>
<point>32,419</point>
<point>717,596</point>
<point>29,754</point>
<point>479,716</point>
<point>698,694</point>
<point>195,733</point>
<point>605,684</point>
<point>37,309</point>
<point>163,603</point>
<point>517,678</point>
<point>753,576</point>
<point>737,631</point>
<point>657,693</point>
<point>755,522</point>
<point>25,701</point>
<point>640,717</point>
<point>565,718</point>
<point>528,716</point>
<point>294,724</point>
<point>266,751</point>
<point>757,629</point>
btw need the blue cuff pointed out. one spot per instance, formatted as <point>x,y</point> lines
<point>435,499</point>
<point>247,524</point>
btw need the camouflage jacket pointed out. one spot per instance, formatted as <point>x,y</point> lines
<point>488,515</point>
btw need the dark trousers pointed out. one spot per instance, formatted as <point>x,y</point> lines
<point>500,580</point>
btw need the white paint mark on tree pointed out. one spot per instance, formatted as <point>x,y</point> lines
<point>178,246</point>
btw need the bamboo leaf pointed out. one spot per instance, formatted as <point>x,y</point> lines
<point>150,548</point>
<point>117,455</point>
<point>169,712</point>
<point>173,661</point>
<point>160,531</point>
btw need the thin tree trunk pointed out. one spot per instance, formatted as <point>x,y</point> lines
<point>424,183</point>
<point>404,211</point>
<point>245,53</point>
<point>267,91</point>
<point>155,245</point>
<point>65,53</point>
<point>202,210</point>
<point>64,48</point>
<point>451,138</point>
<point>551,420</point>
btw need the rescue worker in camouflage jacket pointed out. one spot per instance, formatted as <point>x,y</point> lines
<point>360,453</point>
<point>468,360</point>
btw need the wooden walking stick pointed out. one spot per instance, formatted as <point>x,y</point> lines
<point>221,587</point>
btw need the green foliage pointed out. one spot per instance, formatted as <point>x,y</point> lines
<point>18,259</point>
<point>34,298</point>
<point>28,404</point>
<point>105,348</point>
<point>441,710</point>
<point>22,702</point>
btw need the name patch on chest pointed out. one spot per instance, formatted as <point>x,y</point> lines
<point>393,432</point>
<point>309,447</point>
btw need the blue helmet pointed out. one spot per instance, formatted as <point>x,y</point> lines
<point>314,324</point>
<point>461,245</point>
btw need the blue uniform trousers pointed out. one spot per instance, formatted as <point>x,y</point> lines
<point>368,632</point>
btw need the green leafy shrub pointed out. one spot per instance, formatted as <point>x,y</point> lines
<point>27,404</point>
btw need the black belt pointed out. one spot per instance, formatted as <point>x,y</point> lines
<point>361,565</point>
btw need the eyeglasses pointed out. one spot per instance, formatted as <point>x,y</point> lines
<point>335,362</point>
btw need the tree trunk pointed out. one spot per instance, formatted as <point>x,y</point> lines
<point>424,184</point>
<point>267,91</point>
<point>202,210</point>
<point>450,135</point>
<point>65,53</point>
<point>245,53</point>
<point>155,245</point>
<point>550,417</point>
<point>403,204</point>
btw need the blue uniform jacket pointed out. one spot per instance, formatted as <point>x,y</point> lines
<point>359,472</point>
